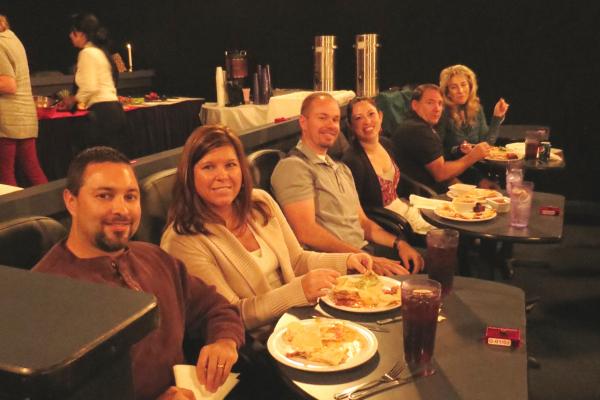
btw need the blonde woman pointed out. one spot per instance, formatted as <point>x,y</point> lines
<point>463,123</point>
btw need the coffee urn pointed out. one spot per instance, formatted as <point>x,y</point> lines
<point>236,65</point>
<point>324,58</point>
<point>367,60</point>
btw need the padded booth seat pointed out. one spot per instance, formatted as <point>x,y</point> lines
<point>24,241</point>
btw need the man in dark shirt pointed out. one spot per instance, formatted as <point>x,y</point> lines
<point>103,198</point>
<point>420,149</point>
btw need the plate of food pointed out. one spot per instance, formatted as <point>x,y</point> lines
<point>498,153</point>
<point>364,293</point>
<point>476,194</point>
<point>479,213</point>
<point>322,345</point>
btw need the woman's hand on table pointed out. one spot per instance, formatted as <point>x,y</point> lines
<point>315,283</point>
<point>215,362</point>
<point>360,262</point>
<point>501,108</point>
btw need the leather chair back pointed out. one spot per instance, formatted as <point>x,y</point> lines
<point>24,241</point>
<point>157,194</point>
<point>262,163</point>
<point>395,105</point>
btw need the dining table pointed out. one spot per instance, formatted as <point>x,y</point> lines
<point>497,236</point>
<point>467,367</point>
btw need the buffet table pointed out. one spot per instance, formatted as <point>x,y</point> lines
<point>153,127</point>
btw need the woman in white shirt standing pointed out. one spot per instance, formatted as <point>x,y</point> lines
<point>96,80</point>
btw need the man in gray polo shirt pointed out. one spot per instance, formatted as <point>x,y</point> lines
<point>319,198</point>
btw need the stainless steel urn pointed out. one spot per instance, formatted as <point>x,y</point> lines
<point>324,57</point>
<point>367,61</point>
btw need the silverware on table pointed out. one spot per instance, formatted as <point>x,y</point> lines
<point>389,320</point>
<point>389,376</point>
<point>369,326</point>
<point>361,394</point>
<point>441,318</point>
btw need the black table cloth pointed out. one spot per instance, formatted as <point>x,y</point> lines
<point>151,130</point>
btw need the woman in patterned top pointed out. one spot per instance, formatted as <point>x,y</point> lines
<point>371,160</point>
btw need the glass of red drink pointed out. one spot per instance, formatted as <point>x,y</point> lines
<point>532,142</point>
<point>442,259</point>
<point>421,299</point>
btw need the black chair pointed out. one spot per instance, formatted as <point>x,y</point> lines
<point>408,186</point>
<point>262,163</point>
<point>24,241</point>
<point>157,194</point>
<point>395,105</point>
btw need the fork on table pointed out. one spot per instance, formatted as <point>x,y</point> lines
<point>361,394</point>
<point>391,375</point>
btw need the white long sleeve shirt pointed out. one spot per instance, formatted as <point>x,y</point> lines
<point>94,77</point>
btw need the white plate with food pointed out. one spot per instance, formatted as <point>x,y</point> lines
<point>322,345</point>
<point>449,212</point>
<point>498,153</point>
<point>476,194</point>
<point>364,293</point>
<point>519,148</point>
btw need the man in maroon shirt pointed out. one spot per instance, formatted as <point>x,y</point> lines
<point>103,198</point>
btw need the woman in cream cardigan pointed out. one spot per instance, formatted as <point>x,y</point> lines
<point>236,237</point>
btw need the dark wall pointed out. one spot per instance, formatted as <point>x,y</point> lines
<point>543,57</point>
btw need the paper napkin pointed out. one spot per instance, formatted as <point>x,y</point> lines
<point>185,377</point>
<point>424,202</point>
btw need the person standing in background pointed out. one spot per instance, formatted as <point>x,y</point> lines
<point>18,118</point>
<point>96,84</point>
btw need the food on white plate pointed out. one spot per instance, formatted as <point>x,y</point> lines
<point>501,154</point>
<point>480,212</point>
<point>460,188</point>
<point>364,291</point>
<point>476,194</point>
<point>324,341</point>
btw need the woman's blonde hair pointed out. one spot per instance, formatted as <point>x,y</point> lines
<point>189,212</point>
<point>472,105</point>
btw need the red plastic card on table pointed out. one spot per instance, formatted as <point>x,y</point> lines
<point>549,210</point>
<point>507,337</point>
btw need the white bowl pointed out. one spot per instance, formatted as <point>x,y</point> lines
<point>463,205</point>
<point>500,204</point>
<point>461,188</point>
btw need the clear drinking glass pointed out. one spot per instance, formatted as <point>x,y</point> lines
<point>441,257</point>
<point>421,299</point>
<point>521,196</point>
<point>514,173</point>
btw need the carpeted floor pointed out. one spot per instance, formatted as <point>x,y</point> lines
<point>563,329</point>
